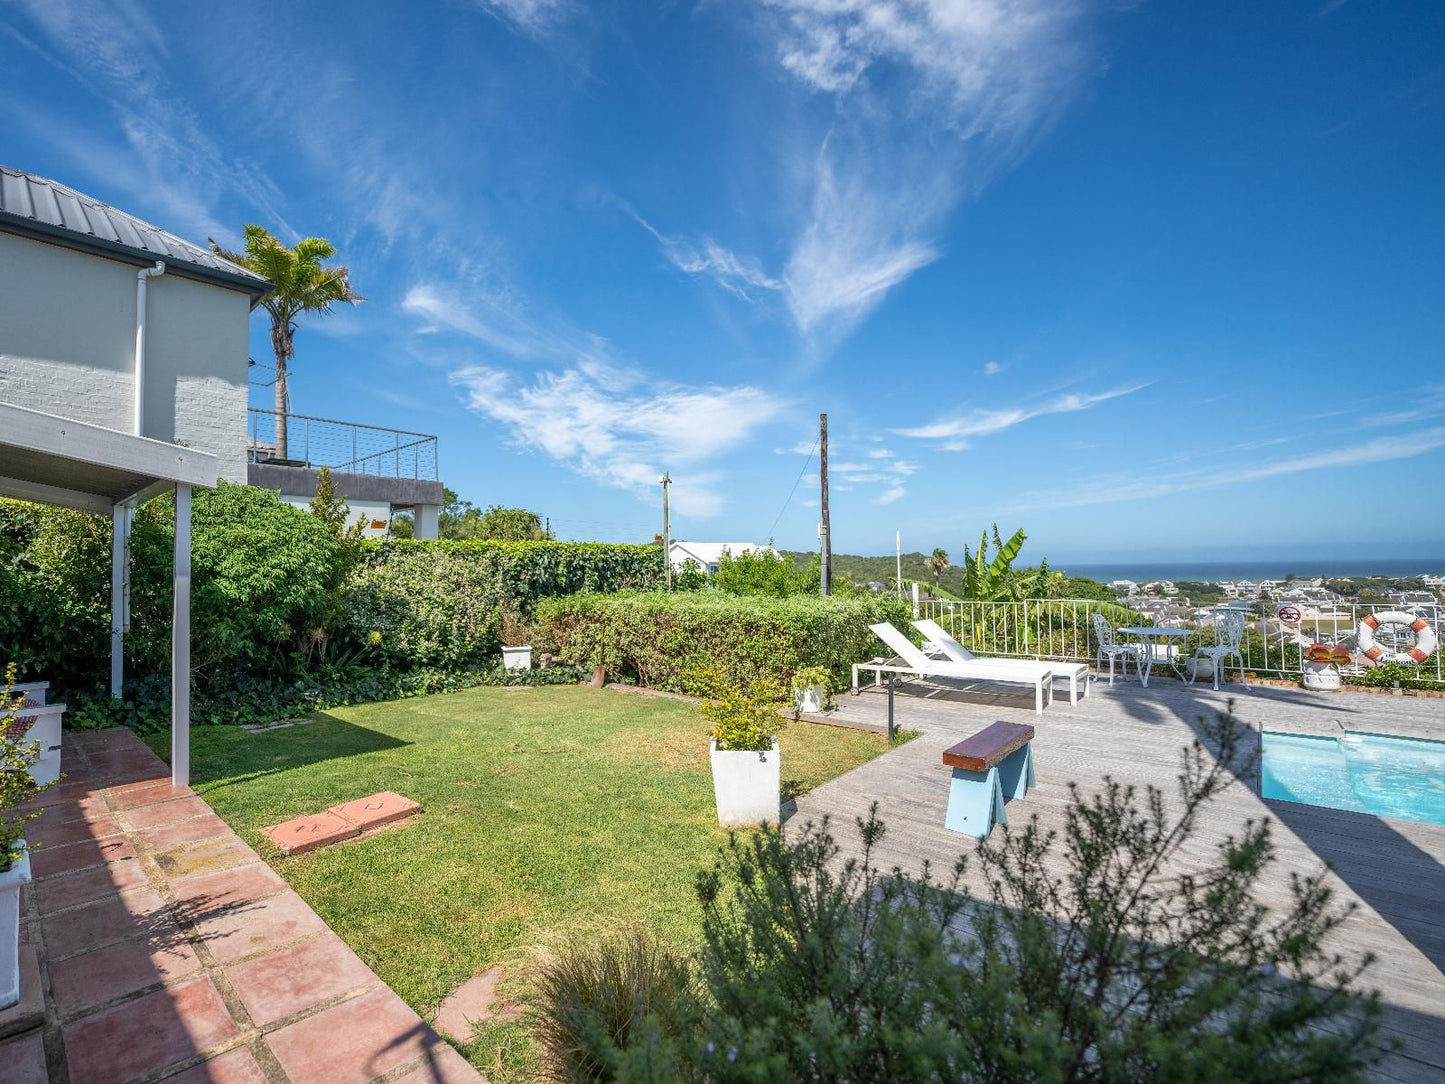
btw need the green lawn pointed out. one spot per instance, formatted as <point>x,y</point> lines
<point>547,811</point>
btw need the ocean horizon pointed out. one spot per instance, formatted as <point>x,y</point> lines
<point>1207,571</point>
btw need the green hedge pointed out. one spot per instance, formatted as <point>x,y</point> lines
<point>661,639</point>
<point>439,604</point>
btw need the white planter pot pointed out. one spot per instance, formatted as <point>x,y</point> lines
<point>45,730</point>
<point>1203,669</point>
<point>1322,676</point>
<point>812,698</point>
<point>517,658</point>
<point>11,882</point>
<point>747,785</point>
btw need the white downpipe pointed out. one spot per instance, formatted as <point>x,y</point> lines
<point>141,277</point>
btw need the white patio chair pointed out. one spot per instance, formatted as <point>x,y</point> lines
<point>1110,645</point>
<point>1230,635</point>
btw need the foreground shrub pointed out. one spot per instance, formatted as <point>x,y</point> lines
<point>1091,958</point>
<point>743,720</point>
<point>661,640</point>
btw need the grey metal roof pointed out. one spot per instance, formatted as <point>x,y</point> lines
<point>39,207</point>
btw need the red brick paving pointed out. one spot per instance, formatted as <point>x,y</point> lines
<point>134,993</point>
<point>302,834</point>
<point>376,810</point>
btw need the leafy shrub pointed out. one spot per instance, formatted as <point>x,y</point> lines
<point>1122,969</point>
<point>16,784</point>
<point>440,604</point>
<point>742,720</point>
<point>661,639</point>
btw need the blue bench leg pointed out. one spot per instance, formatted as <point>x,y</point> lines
<point>1016,774</point>
<point>975,802</point>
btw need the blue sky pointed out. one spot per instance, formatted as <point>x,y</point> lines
<point>1145,279</point>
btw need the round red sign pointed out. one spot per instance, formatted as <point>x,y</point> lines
<point>1290,615</point>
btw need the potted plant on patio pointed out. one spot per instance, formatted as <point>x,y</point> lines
<point>516,642</point>
<point>811,689</point>
<point>17,787</point>
<point>746,765</point>
<point>1321,665</point>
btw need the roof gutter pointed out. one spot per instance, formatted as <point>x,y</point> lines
<point>141,277</point>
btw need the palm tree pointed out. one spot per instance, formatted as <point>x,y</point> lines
<point>937,563</point>
<point>299,284</point>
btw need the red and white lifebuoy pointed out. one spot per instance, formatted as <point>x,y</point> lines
<point>1425,638</point>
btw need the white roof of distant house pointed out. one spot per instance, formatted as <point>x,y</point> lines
<point>706,554</point>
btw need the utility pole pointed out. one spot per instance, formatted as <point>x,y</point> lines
<point>827,538</point>
<point>898,556</point>
<point>666,482</point>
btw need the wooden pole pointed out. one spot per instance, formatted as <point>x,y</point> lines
<point>827,540</point>
<point>666,481</point>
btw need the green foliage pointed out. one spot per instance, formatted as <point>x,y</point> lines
<point>810,676</point>
<point>1082,587</point>
<point>763,572</point>
<point>990,579</point>
<point>743,720</point>
<point>660,639</point>
<point>17,787</point>
<point>462,520</point>
<point>690,577</point>
<point>1122,969</point>
<point>937,563</point>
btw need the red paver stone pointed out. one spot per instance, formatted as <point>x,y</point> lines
<point>298,977</point>
<point>103,974</point>
<point>71,790</point>
<point>355,1041</point>
<point>174,835</point>
<point>443,1066</point>
<point>309,832</point>
<point>88,884</point>
<point>232,1067</point>
<point>376,810</point>
<point>207,856</point>
<point>147,794</point>
<point>140,1037</point>
<point>154,816</point>
<point>48,831</point>
<point>22,1060</point>
<point>88,807</point>
<point>138,912</point>
<point>255,927</point>
<point>211,892</point>
<point>48,861</point>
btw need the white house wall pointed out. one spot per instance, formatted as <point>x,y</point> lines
<point>67,347</point>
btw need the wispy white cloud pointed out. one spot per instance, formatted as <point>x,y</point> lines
<point>1425,403</point>
<point>535,17</point>
<point>1112,490</point>
<point>955,433</point>
<point>888,496</point>
<point>993,368</point>
<point>739,275</point>
<point>609,424</point>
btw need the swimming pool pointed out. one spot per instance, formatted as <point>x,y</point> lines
<point>1367,773</point>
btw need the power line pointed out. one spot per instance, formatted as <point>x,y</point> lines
<point>792,491</point>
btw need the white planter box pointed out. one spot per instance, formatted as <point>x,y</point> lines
<point>812,698</point>
<point>11,882</point>
<point>1322,677</point>
<point>45,730</point>
<point>747,785</point>
<point>517,658</point>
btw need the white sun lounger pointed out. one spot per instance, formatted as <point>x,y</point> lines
<point>913,662</point>
<point>1076,672</point>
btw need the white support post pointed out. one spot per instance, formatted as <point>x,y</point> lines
<point>426,519</point>
<point>181,644</point>
<point>119,524</point>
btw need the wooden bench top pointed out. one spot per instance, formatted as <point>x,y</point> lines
<point>990,745</point>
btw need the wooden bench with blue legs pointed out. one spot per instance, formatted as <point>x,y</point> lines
<point>991,767</point>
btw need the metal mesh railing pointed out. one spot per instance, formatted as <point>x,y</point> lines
<point>342,446</point>
<point>1063,629</point>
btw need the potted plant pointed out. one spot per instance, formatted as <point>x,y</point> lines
<point>746,765</point>
<point>811,689</point>
<point>1200,666</point>
<point>1322,664</point>
<point>516,642</point>
<point>17,787</point>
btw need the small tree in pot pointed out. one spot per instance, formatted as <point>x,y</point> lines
<point>17,787</point>
<point>811,689</point>
<point>746,765</point>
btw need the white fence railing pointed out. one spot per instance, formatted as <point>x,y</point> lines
<point>1064,629</point>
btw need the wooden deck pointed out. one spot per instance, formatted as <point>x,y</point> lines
<point>1395,869</point>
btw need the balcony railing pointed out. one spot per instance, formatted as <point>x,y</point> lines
<point>1064,629</point>
<point>342,446</point>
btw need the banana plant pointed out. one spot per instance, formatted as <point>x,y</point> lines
<point>989,579</point>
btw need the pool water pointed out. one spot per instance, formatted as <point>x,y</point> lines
<point>1367,773</point>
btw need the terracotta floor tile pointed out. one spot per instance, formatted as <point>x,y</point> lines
<point>103,974</point>
<point>208,856</point>
<point>302,834</point>
<point>256,927</point>
<point>129,914</point>
<point>48,861</point>
<point>443,1066</point>
<point>23,1059</point>
<point>139,1037</point>
<point>120,775</point>
<point>110,738</point>
<point>68,790</point>
<point>232,1067</point>
<point>376,810</point>
<point>154,816</point>
<point>48,830</point>
<point>297,977</point>
<point>89,884</point>
<point>198,896</point>
<point>147,794</point>
<point>353,1042</point>
<point>174,835</point>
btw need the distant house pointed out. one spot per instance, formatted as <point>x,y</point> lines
<point>1125,587</point>
<point>707,554</point>
<point>1406,599</point>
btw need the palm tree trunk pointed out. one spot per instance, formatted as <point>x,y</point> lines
<point>281,346</point>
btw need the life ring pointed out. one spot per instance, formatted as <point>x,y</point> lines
<point>1425,638</point>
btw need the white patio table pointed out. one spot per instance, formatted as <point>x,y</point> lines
<point>1152,636</point>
